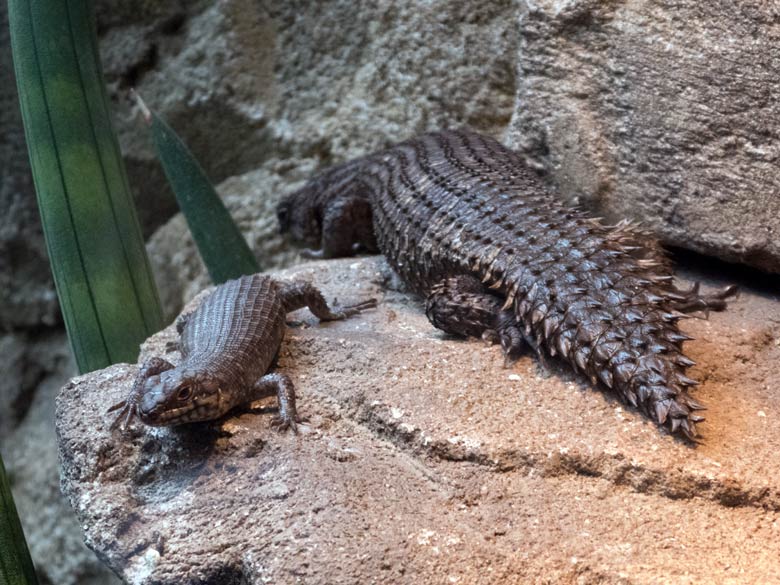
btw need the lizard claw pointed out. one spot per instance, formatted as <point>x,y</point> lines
<point>283,422</point>
<point>350,310</point>
<point>125,416</point>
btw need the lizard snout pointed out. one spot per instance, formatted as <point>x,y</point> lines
<point>148,409</point>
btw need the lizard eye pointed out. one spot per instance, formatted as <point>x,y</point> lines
<point>184,393</point>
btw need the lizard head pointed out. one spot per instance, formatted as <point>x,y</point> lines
<point>299,217</point>
<point>180,396</point>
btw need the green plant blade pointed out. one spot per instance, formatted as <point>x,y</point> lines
<point>105,285</point>
<point>16,566</point>
<point>222,247</point>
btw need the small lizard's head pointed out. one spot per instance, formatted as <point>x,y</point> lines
<point>299,217</point>
<point>180,396</point>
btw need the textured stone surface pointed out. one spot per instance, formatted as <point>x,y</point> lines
<point>245,82</point>
<point>300,98</point>
<point>29,359</point>
<point>425,461</point>
<point>660,111</point>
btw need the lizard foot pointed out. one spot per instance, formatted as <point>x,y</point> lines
<point>689,301</point>
<point>350,310</point>
<point>128,407</point>
<point>283,423</point>
<point>126,414</point>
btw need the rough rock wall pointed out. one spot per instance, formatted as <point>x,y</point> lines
<point>309,84</point>
<point>665,112</point>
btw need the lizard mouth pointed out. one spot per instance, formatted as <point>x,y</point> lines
<point>162,416</point>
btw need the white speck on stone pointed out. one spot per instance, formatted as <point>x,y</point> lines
<point>761,413</point>
<point>514,377</point>
<point>396,412</point>
<point>424,537</point>
<point>143,566</point>
<point>467,442</point>
<point>452,540</point>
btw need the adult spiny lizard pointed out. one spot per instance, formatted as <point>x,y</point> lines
<point>227,346</point>
<point>468,226</point>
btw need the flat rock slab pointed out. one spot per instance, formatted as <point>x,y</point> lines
<point>424,460</point>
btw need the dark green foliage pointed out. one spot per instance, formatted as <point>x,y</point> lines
<point>222,247</point>
<point>105,286</point>
<point>16,567</point>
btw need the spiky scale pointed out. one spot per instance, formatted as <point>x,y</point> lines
<point>462,201</point>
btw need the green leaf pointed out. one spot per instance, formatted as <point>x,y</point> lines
<point>222,247</point>
<point>16,567</point>
<point>105,285</point>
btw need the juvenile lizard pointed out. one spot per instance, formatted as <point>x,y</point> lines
<point>227,345</point>
<point>468,226</point>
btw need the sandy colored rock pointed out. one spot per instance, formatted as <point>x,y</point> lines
<point>662,112</point>
<point>426,461</point>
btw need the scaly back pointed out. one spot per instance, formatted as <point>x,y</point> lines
<point>455,202</point>
<point>224,331</point>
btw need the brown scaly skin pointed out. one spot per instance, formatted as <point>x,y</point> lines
<point>227,346</point>
<point>467,225</point>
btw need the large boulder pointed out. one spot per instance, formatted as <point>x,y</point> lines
<point>424,460</point>
<point>245,82</point>
<point>663,112</point>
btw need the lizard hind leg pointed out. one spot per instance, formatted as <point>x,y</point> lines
<point>689,301</point>
<point>297,295</point>
<point>462,305</point>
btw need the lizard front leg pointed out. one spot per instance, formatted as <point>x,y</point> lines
<point>282,386</point>
<point>346,228</point>
<point>153,366</point>
<point>297,295</point>
<point>463,306</point>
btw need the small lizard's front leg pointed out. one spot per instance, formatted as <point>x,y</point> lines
<point>153,366</point>
<point>297,295</point>
<point>282,386</point>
